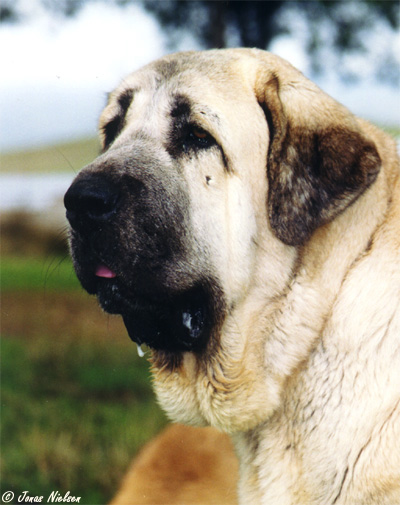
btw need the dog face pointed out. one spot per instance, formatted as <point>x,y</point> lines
<point>167,210</point>
<point>217,168</point>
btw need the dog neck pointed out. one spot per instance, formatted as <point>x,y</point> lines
<point>305,358</point>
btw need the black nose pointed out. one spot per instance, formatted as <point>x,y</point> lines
<point>91,200</point>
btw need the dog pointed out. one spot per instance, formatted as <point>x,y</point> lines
<point>247,228</point>
<point>183,465</point>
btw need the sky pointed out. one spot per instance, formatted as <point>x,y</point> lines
<point>56,71</point>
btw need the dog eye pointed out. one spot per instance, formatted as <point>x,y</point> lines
<point>197,137</point>
<point>199,134</point>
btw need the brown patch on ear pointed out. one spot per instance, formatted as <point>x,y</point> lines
<point>316,167</point>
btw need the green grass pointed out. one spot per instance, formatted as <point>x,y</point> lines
<point>36,274</point>
<point>66,157</point>
<point>73,415</point>
<point>75,406</point>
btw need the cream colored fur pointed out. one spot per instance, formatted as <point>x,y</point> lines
<point>306,373</point>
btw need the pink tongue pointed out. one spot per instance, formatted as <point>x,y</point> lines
<point>103,271</point>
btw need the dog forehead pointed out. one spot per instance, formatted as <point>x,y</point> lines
<point>220,73</point>
<point>224,71</point>
<point>213,90</point>
<point>199,82</point>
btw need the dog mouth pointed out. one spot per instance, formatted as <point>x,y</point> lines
<point>168,322</point>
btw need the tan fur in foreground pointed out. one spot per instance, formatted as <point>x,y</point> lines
<point>182,466</point>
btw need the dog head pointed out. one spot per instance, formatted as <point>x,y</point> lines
<point>215,167</point>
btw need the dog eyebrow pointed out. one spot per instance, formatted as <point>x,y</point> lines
<point>113,127</point>
<point>183,113</point>
<point>125,99</point>
<point>183,110</point>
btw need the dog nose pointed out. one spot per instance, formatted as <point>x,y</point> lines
<point>90,201</point>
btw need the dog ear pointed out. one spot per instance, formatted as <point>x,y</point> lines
<point>319,161</point>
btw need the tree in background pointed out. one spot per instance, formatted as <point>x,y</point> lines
<point>340,26</point>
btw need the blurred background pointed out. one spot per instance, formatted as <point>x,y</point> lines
<point>76,400</point>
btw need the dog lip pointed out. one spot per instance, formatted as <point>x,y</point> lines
<point>162,319</point>
<point>175,323</point>
<point>177,329</point>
